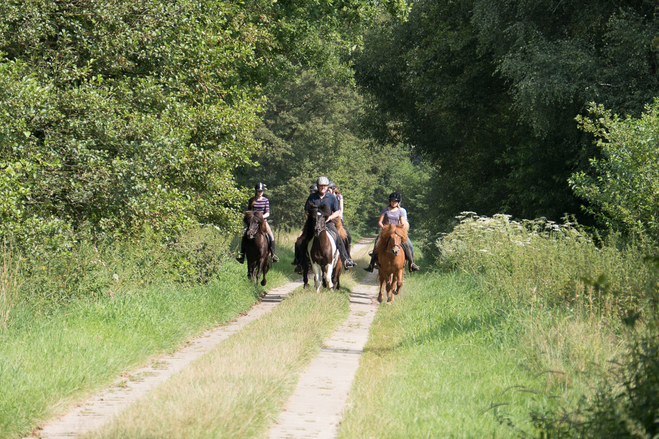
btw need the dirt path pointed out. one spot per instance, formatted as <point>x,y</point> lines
<point>330,374</point>
<point>316,407</point>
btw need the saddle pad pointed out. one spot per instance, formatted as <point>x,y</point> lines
<point>333,235</point>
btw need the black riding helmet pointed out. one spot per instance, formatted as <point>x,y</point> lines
<point>395,196</point>
<point>313,187</point>
<point>259,187</point>
<point>331,185</point>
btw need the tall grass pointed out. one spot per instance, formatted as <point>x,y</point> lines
<point>74,321</point>
<point>593,295</point>
<point>541,263</point>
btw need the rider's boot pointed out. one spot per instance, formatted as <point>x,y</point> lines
<point>371,265</point>
<point>275,258</point>
<point>412,267</point>
<point>241,255</point>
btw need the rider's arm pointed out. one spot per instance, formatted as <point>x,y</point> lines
<point>267,210</point>
<point>334,215</point>
<point>380,221</point>
<point>341,204</point>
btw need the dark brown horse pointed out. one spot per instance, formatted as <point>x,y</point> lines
<point>391,260</point>
<point>256,246</point>
<point>322,251</point>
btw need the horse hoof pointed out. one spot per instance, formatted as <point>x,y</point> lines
<point>263,282</point>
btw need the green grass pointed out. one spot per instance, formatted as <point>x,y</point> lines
<point>447,361</point>
<point>237,389</point>
<point>56,352</point>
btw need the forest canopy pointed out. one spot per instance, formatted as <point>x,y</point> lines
<point>489,91</point>
<point>119,115</point>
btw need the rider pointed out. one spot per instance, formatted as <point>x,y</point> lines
<point>394,214</point>
<point>337,193</point>
<point>259,203</point>
<point>323,197</point>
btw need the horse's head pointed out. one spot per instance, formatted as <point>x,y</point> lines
<point>319,215</point>
<point>253,222</point>
<point>392,238</point>
<point>394,244</point>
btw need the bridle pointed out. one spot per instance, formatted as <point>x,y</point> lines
<point>392,249</point>
<point>318,230</point>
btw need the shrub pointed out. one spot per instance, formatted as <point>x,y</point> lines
<point>539,260</point>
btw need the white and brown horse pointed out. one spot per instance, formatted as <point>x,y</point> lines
<point>322,252</point>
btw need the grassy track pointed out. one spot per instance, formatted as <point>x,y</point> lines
<point>237,390</point>
<point>445,361</point>
<point>48,362</point>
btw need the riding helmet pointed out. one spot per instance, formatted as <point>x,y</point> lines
<point>331,184</point>
<point>313,188</point>
<point>259,187</point>
<point>323,181</point>
<point>395,196</point>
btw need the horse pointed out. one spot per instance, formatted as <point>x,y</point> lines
<point>256,246</point>
<point>391,260</point>
<point>322,252</point>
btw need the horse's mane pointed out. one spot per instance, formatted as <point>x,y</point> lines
<point>251,215</point>
<point>325,211</point>
<point>387,232</point>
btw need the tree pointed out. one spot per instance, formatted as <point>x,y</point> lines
<point>488,90</point>
<point>622,185</point>
<point>311,128</point>
<point>117,115</point>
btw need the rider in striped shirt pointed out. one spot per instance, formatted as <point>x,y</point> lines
<point>259,203</point>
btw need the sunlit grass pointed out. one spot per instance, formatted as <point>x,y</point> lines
<point>56,352</point>
<point>445,361</point>
<point>238,389</point>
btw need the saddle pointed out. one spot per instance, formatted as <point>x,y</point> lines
<point>333,235</point>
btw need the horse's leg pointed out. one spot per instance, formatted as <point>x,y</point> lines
<point>399,281</point>
<point>327,276</point>
<point>266,267</point>
<point>317,276</point>
<point>382,282</point>
<point>390,288</point>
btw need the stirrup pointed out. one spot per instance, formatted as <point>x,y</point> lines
<point>275,258</point>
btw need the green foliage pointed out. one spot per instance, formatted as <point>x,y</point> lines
<point>311,128</point>
<point>124,114</point>
<point>488,90</point>
<point>551,268</point>
<point>622,188</point>
<point>539,261</point>
<point>116,115</point>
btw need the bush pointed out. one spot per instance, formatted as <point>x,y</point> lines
<point>539,260</point>
<point>622,185</point>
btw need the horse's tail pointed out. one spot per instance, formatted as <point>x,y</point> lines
<point>339,228</point>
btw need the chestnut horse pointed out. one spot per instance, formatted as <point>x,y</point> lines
<point>322,252</point>
<point>391,260</point>
<point>256,246</point>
